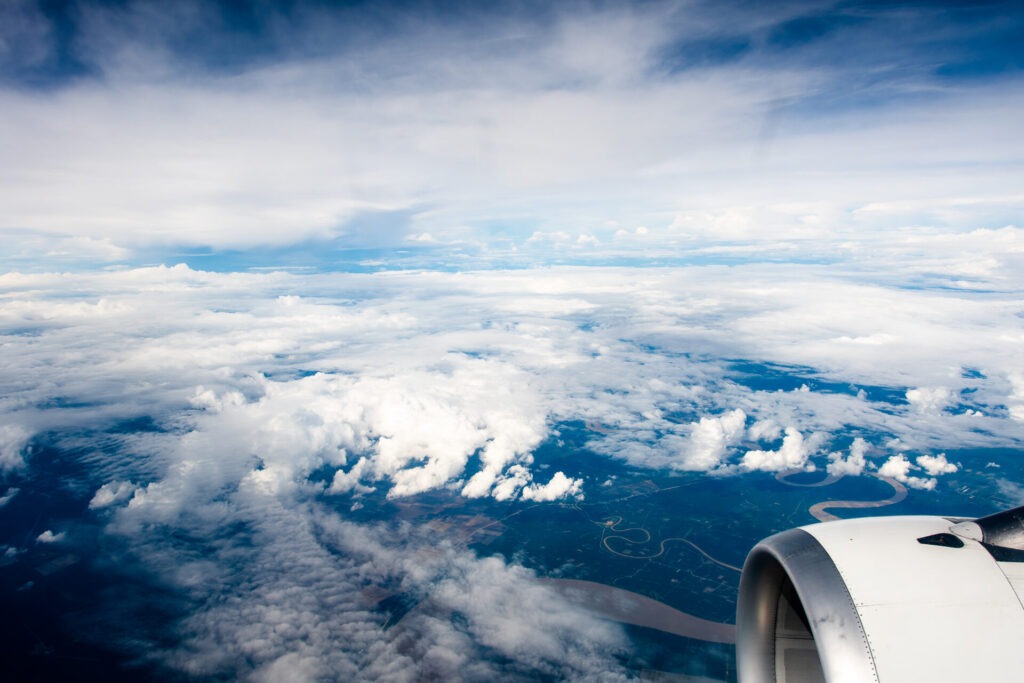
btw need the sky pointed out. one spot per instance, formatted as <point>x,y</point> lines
<point>242,134</point>
<point>262,260</point>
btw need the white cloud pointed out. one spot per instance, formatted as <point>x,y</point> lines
<point>112,493</point>
<point>416,430</point>
<point>291,667</point>
<point>765,430</point>
<point>9,495</point>
<point>792,454</point>
<point>504,608</point>
<point>87,248</point>
<point>1011,491</point>
<point>301,591</point>
<point>540,133</point>
<point>936,465</point>
<point>50,537</point>
<point>345,481</point>
<point>639,232</point>
<point>853,464</point>
<point>929,399</point>
<point>559,487</point>
<point>538,236</point>
<point>1016,403</point>
<point>13,440</point>
<point>507,485</point>
<point>398,358</point>
<point>274,394</point>
<point>898,467</point>
<point>709,440</point>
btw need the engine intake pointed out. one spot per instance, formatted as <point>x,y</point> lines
<point>795,620</point>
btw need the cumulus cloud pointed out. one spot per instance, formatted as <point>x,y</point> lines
<point>50,537</point>
<point>792,454</point>
<point>898,467</point>
<point>505,487</point>
<point>348,480</point>
<point>853,464</point>
<point>765,430</point>
<point>417,430</point>
<point>709,440</point>
<point>935,465</point>
<point>112,493</point>
<point>559,487</point>
<point>929,399</point>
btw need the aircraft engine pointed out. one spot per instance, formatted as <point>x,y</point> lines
<point>885,599</point>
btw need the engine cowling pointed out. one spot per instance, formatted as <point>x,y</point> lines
<point>886,599</point>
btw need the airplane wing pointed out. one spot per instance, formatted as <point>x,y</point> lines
<point>887,600</point>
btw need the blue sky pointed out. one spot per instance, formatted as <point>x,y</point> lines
<point>326,135</point>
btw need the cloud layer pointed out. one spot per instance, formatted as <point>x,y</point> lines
<point>137,131</point>
<point>248,412</point>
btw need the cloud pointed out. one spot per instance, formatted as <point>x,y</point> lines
<point>50,537</point>
<point>25,35</point>
<point>504,607</point>
<point>342,128</point>
<point>506,486</point>
<point>112,493</point>
<point>929,399</point>
<point>709,439</point>
<point>8,495</point>
<point>898,467</point>
<point>410,380</point>
<point>417,430</point>
<point>792,454</point>
<point>230,427</point>
<point>854,463</point>
<point>299,590</point>
<point>764,430</point>
<point>936,465</point>
<point>13,440</point>
<point>346,481</point>
<point>560,486</point>
<point>1016,403</point>
<point>1011,492</point>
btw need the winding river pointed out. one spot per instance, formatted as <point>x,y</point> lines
<point>632,608</point>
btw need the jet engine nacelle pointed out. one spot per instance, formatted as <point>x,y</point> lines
<point>886,599</point>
